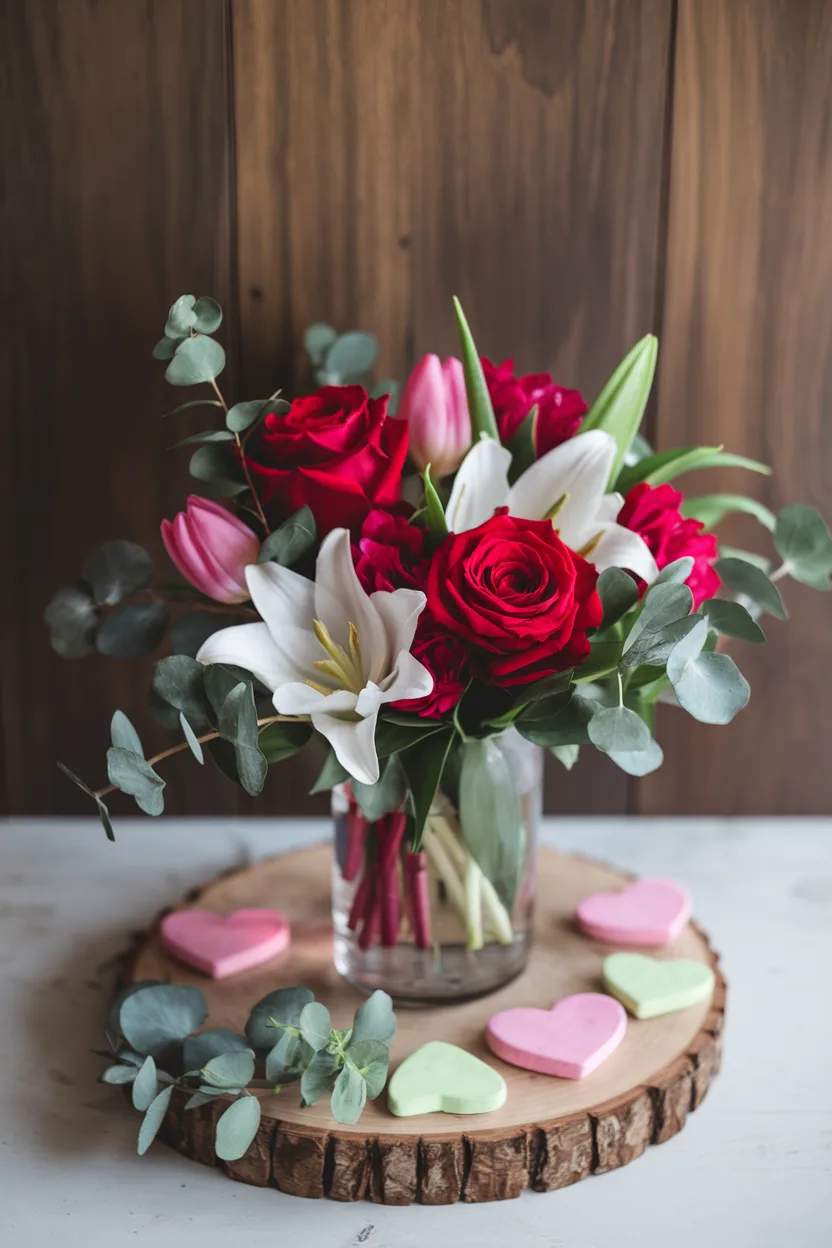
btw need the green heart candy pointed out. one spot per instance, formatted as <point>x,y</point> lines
<point>649,987</point>
<point>443,1078</point>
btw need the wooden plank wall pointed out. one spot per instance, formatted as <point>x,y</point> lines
<point>578,171</point>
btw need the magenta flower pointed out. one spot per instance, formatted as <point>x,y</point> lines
<point>436,410</point>
<point>211,549</point>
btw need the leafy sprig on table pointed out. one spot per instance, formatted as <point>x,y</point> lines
<point>154,1040</point>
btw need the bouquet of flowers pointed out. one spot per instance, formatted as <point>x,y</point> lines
<point>430,593</point>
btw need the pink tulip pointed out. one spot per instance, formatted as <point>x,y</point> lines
<point>211,548</point>
<point>436,410</point>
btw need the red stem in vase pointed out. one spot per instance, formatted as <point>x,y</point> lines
<point>390,832</point>
<point>359,902</point>
<point>369,930</point>
<point>416,881</point>
<point>356,840</point>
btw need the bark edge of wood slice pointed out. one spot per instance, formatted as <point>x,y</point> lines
<point>551,1132</point>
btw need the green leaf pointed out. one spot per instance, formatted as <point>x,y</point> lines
<point>745,578</point>
<point>124,735</point>
<point>708,686</point>
<point>153,1119</point>
<point>132,775</point>
<point>183,407</point>
<point>190,631</point>
<point>113,1024</point>
<point>657,469</point>
<point>201,1098</point>
<point>319,1077</point>
<point>567,755</point>
<point>284,1006</point>
<point>208,315</point>
<point>295,538</point>
<point>437,524</point>
<point>393,391</point>
<point>243,415</point>
<point>207,436</point>
<point>119,1074</point>
<point>237,1128</point>
<point>675,573</point>
<point>638,762</point>
<point>165,349</point>
<point>653,648</point>
<point>423,763</point>
<point>603,658</point>
<point>199,1049</point>
<point>620,405</point>
<point>156,1015</point>
<point>710,509</point>
<point>196,360</point>
<point>211,465</point>
<point>349,1096</point>
<point>181,317</point>
<point>374,1019</point>
<point>351,356</point>
<point>117,569</point>
<point>750,556</point>
<point>522,445</point>
<point>663,605</point>
<point>232,1069</point>
<point>619,593</point>
<point>803,542</point>
<point>317,340</point>
<point>392,735</point>
<point>383,797</point>
<point>480,408</point>
<point>315,1025</point>
<point>133,630</point>
<point>490,815</point>
<point>618,729</point>
<point>190,736</point>
<point>145,1085</point>
<point>287,1058</point>
<point>238,724</point>
<point>372,1058</point>
<point>331,774</point>
<point>548,724</point>
<point>732,620</point>
<point>281,741</point>
<point>73,620</point>
<point>179,682</point>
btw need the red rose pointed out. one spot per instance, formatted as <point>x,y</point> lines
<point>559,411</point>
<point>337,451</point>
<point>390,551</point>
<point>653,512</point>
<point>516,596</point>
<point>446,658</point>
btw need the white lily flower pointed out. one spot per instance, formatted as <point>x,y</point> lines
<point>567,485</point>
<point>329,650</point>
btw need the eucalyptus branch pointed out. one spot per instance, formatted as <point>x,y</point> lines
<point>240,447</point>
<point>784,570</point>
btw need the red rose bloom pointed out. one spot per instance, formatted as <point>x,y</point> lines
<point>519,598</point>
<point>653,512</point>
<point>390,551</point>
<point>446,658</point>
<point>559,411</point>
<point>337,451</point>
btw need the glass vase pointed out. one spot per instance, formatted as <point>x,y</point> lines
<point>425,922</point>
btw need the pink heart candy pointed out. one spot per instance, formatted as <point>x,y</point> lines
<point>225,944</point>
<point>570,1040</point>
<point>651,912</point>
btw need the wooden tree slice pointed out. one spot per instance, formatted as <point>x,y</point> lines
<point>550,1133</point>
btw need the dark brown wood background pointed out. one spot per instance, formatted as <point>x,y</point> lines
<point>578,171</point>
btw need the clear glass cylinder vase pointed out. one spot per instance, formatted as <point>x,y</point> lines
<point>425,922</point>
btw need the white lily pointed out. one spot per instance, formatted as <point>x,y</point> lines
<point>329,650</point>
<point>567,485</point>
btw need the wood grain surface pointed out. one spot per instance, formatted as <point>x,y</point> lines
<point>550,1132</point>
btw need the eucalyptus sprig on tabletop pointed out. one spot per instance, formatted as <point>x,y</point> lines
<point>154,1040</point>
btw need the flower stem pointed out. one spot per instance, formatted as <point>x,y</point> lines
<point>416,878</point>
<point>473,904</point>
<point>261,517</point>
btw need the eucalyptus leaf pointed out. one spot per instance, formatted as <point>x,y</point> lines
<point>480,407</point>
<point>317,340</point>
<point>708,686</point>
<point>211,465</point>
<point>155,1015</point>
<point>294,538</point>
<point>393,736</point>
<point>178,680</point>
<point>132,775</point>
<point>73,620</point>
<point>423,764</point>
<point>113,1024</point>
<point>287,1058</point>
<point>437,524</point>
<point>207,315</point>
<point>549,724</point>
<point>393,391</point>
<point>675,573</point>
<point>750,581</point>
<point>207,436</point>
<point>331,774</point>
<point>653,648</point>
<point>374,1019</point>
<point>133,630</point>
<point>243,415</point>
<point>190,736</point>
<point>165,349</point>
<point>315,1024</point>
<point>181,317</point>
<point>190,631</point>
<point>116,569</point>
<point>153,1119</point>
<point>638,762</point>
<point>199,1049</point>
<point>383,797</point>
<point>663,605</point>
<point>232,1069</point>
<point>619,408</point>
<point>283,1006</point>
<point>237,1128</point>
<point>567,755</point>
<point>618,592</point>
<point>490,815</point>
<point>196,360</point>
<point>238,724</point>
<point>618,729</point>
<point>278,742</point>
<point>349,1096</point>
<point>145,1085</point>
<point>319,1077</point>
<point>711,509</point>
<point>119,1074</point>
<point>732,620</point>
<point>372,1058</point>
<point>803,542</point>
<point>183,407</point>
<point>124,735</point>
<point>201,1098</point>
<point>220,679</point>
<point>351,356</point>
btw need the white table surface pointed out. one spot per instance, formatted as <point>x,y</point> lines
<point>751,1168</point>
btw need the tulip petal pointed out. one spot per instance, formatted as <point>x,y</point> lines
<point>194,562</point>
<point>480,486</point>
<point>576,471</point>
<point>340,601</point>
<point>616,549</point>
<point>249,646</point>
<point>353,741</point>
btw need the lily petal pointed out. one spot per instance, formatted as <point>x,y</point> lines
<point>577,471</point>
<point>297,699</point>
<point>399,611</point>
<point>621,548</point>
<point>286,602</point>
<point>353,742</point>
<point>480,486</point>
<point>411,680</point>
<point>340,601</point>
<point>249,646</point>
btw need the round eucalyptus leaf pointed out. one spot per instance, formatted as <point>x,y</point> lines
<point>132,775</point>
<point>349,1096</point>
<point>153,1119</point>
<point>73,620</point>
<point>732,620</point>
<point>618,592</point>
<point>803,542</point>
<point>620,729</point>
<point>567,755</point>
<point>190,630</point>
<point>207,315</point>
<point>165,348</point>
<point>237,1128</point>
<point>638,762</point>
<point>124,735</point>
<point>319,1077</point>
<point>284,1006</point>
<point>243,415</point>
<point>199,1049</point>
<point>315,1025</point>
<point>293,539</point>
<point>281,741</point>
<point>133,630</point>
<point>113,1023</point>
<point>156,1015</point>
<point>708,686</point>
<point>179,682</point>
<point>145,1085</point>
<point>664,604</point>
<point>234,1068</point>
<point>351,356</point>
<point>675,573</point>
<point>212,465</point>
<point>119,1074</point>
<point>116,569</point>
<point>181,317</point>
<point>374,1019</point>
<point>288,1058</point>
<point>317,340</point>
<point>197,360</point>
<point>372,1057</point>
<point>749,580</point>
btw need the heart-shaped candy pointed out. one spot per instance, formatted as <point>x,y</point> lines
<point>441,1077</point>
<point>650,912</point>
<point>570,1040</point>
<point>225,944</point>
<point>649,987</point>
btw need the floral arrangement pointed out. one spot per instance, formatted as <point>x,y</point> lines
<point>498,561</point>
<point>155,1049</point>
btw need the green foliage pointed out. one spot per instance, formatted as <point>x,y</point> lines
<point>386,795</point>
<point>318,339</point>
<point>617,729</point>
<point>315,1025</point>
<point>567,755</point>
<point>552,725</point>
<point>157,1014</point>
<point>283,1006</point>
<point>103,812</point>
<point>619,594</point>
<point>237,1128</point>
<point>732,620</point>
<point>191,630</point>
<point>238,724</point>
<point>281,741</point>
<point>207,435</point>
<point>196,360</point>
<point>397,732</point>
<point>349,1095</point>
<point>675,573</point>
<point>214,467</point>
<point>435,512</point>
<point>190,736</point>
<point>117,569</point>
<point>133,630</point>
<point>490,815</point>
<point>232,1069</point>
<point>349,358</point>
<point>292,541</point>
<point>638,762</point>
<point>331,774</point>
<point>522,445</point>
<point>207,315</point>
<point>479,400</point>
<point>803,542</point>
<point>375,1019</point>
<point>153,1119</point>
<point>124,735</point>
<point>657,469</point>
<point>130,773</point>
<point>619,408</point>
<point>711,509</point>
<point>73,620</point>
<point>145,1085</point>
<point>708,686</point>
<point>243,415</point>
<point>747,579</point>
<point>179,682</point>
<point>393,391</point>
<point>198,1050</point>
<point>423,763</point>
